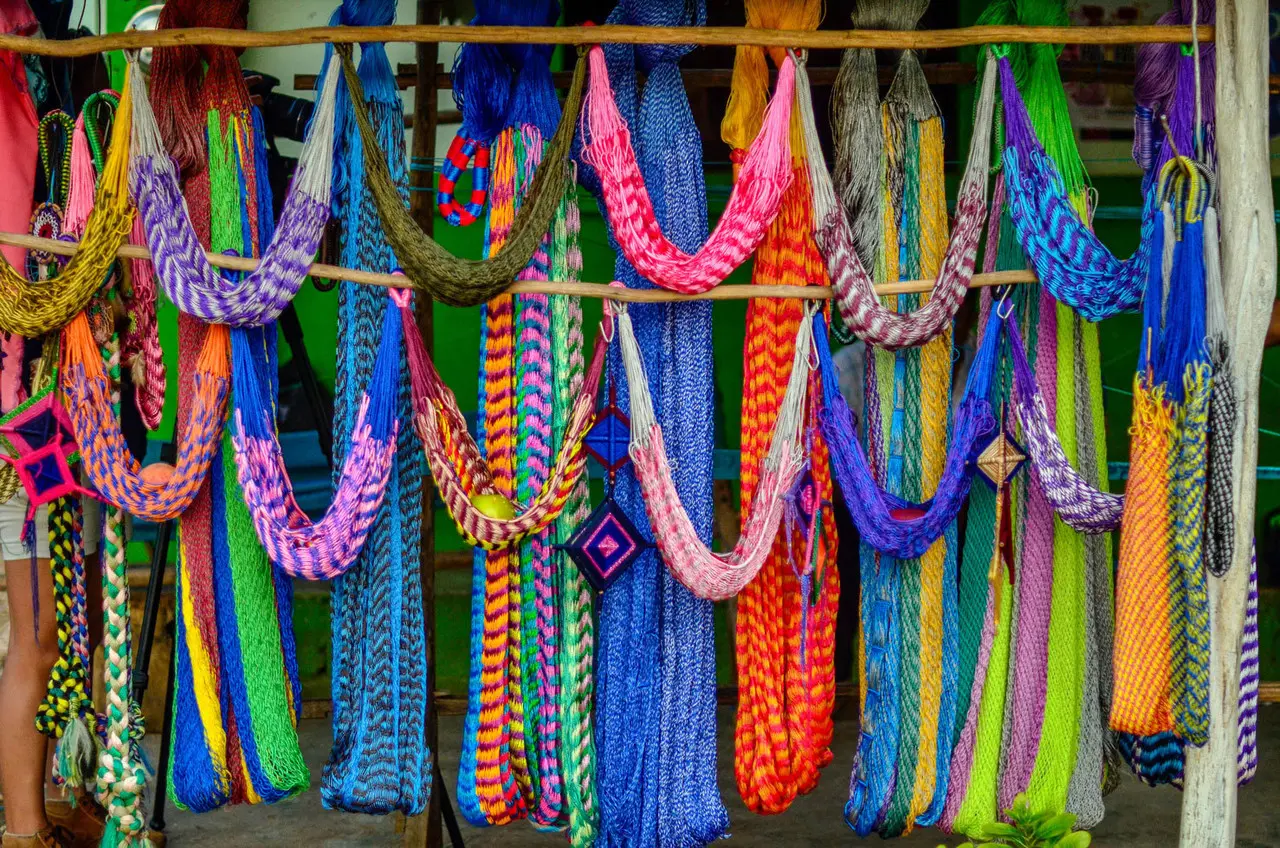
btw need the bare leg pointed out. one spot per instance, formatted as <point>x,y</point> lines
<point>23,749</point>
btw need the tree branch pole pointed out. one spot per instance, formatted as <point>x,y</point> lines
<point>1247,215</point>
<point>609,34</point>
<point>577,289</point>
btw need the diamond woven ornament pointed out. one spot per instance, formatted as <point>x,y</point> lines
<point>605,545</point>
<point>1000,459</point>
<point>609,439</point>
<point>41,447</point>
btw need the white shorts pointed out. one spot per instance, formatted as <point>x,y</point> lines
<point>14,514</point>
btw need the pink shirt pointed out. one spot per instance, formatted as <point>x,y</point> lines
<point>19,154</point>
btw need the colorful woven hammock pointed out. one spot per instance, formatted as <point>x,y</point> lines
<point>485,517</point>
<point>1074,499</point>
<point>326,548</point>
<point>381,761</point>
<point>860,307</point>
<point>237,695</point>
<point>513,765</point>
<point>1071,262</point>
<point>430,267</point>
<point>1162,612</point>
<point>184,272</point>
<point>786,616</point>
<point>110,466</point>
<point>656,708</point>
<point>762,178</point>
<point>715,576</point>
<point>34,308</point>
<point>885,521</point>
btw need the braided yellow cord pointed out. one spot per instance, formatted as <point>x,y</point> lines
<point>9,483</point>
<point>935,402</point>
<point>33,309</point>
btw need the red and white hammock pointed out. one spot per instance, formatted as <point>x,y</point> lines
<point>856,297</point>
<point>715,576</point>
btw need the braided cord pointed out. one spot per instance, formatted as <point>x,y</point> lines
<point>67,699</point>
<point>576,604</point>
<point>121,775</point>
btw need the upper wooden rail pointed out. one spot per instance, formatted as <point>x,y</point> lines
<point>725,36</point>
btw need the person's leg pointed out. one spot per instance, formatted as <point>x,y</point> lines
<point>23,749</point>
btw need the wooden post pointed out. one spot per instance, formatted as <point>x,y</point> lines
<point>1249,281</point>
<point>424,831</point>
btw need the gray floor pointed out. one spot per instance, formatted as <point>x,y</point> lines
<point>1136,815</point>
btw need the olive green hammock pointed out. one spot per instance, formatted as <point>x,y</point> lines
<point>427,265</point>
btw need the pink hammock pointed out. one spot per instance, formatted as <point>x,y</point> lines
<point>715,576</point>
<point>764,177</point>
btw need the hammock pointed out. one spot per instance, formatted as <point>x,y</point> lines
<point>429,266</point>
<point>856,298</point>
<point>191,282</point>
<point>110,466</point>
<point>1071,262</point>
<point>1075,501</point>
<point>485,518</point>
<point>710,575</point>
<point>876,512</point>
<point>33,309</point>
<point>323,549</point>
<point>764,177</point>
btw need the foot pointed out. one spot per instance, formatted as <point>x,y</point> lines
<point>51,837</point>
<point>84,821</point>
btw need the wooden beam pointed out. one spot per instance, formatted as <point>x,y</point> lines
<point>597,290</point>
<point>608,34</point>
<point>1247,216</point>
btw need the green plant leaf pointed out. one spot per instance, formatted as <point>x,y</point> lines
<point>1079,839</point>
<point>996,830</point>
<point>1055,827</point>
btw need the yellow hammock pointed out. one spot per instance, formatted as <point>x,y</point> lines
<point>33,309</point>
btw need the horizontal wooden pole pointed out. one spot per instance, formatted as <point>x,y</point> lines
<point>613,34</point>
<point>598,290</point>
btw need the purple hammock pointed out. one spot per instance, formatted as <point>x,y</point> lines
<point>1075,501</point>
<point>184,272</point>
<point>324,549</point>
<point>873,508</point>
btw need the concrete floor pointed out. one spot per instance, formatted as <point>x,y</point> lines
<point>1137,816</point>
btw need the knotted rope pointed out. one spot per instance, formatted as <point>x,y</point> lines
<point>762,179</point>
<point>380,761</point>
<point>430,267</point>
